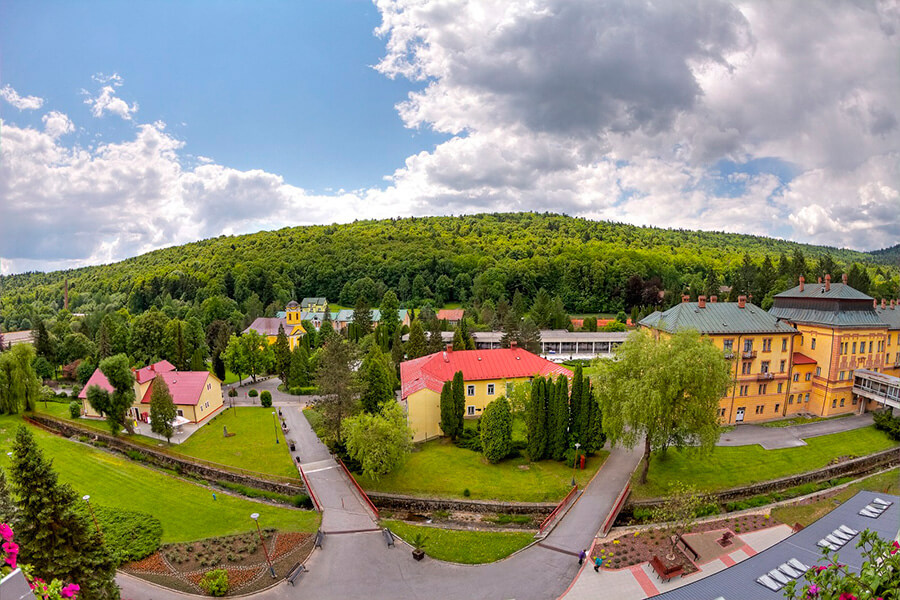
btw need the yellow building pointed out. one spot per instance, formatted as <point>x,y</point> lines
<point>759,347</point>
<point>488,375</point>
<point>197,395</point>
<point>314,305</point>
<point>291,323</point>
<point>889,313</point>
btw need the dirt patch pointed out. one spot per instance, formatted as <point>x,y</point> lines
<point>182,566</point>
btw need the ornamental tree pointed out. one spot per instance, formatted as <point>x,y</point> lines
<point>450,425</point>
<point>162,409</point>
<point>496,430</point>
<point>282,353</point>
<point>115,405</point>
<point>378,442</point>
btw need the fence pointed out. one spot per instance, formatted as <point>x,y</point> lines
<point>557,510</point>
<point>359,489</point>
<point>611,517</point>
<point>309,489</point>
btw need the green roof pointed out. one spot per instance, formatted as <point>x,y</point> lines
<point>839,306</point>
<point>889,315</point>
<point>717,318</point>
<point>837,291</point>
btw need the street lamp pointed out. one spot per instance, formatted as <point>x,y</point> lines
<point>87,500</point>
<point>255,517</point>
<point>275,423</point>
<point>574,462</point>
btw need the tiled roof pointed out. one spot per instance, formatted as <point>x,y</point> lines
<point>149,372</point>
<point>268,326</point>
<point>451,314</point>
<point>508,363</point>
<point>837,291</point>
<point>802,359</point>
<point>889,315</point>
<point>824,316</point>
<point>184,386</point>
<point>716,317</point>
<point>98,379</point>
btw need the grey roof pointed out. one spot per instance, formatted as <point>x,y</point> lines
<point>717,317</point>
<point>832,318</point>
<point>889,315</point>
<point>308,301</point>
<point>547,335</point>
<point>837,291</point>
<point>292,304</point>
<point>268,326</point>
<point>739,581</point>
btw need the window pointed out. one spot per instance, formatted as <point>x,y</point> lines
<point>807,397</point>
<point>762,389</point>
<point>777,404</point>
<point>842,401</point>
<point>748,345</point>
<point>179,412</point>
<point>783,364</point>
<point>470,411</point>
<point>784,344</point>
<point>796,376</point>
<point>745,368</point>
<point>813,344</point>
<point>470,390</point>
<point>744,390</point>
<point>870,346</point>
<point>843,347</point>
<point>490,389</point>
<point>818,371</point>
<point>841,375</point>
<point>854,400</point>
<point>759,409</point>
<point>764,367</point>
<point>767,345</point>
<point>722,412</point>
<point>780,387</point>
<point>791,399</point>
<point>808,376</point>
<point>728,345</point>
<point>834,403</point>
<point>208,386</point>
<point>854,348</point>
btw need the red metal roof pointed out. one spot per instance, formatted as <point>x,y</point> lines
<point>802,359</point>
<point>451,314</point>
<point>507,363</point>
<point>98,379</point>
<point>185,386</point>
<point>147,373</point>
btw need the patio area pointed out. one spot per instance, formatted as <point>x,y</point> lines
<point>183,428</point>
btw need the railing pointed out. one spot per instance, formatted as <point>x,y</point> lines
<point>749,354</point>
<point>611,517</point>
<point>729,355</point>
<point>558,508</point>
<point>309,489</point>
<point>359,489</point>
<point>765,376</point>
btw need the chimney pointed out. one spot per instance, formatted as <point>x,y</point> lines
<point>819,280</point>
<point>449,347</point>
<point>685,298</point>
<point>802,281</point>
<point>701,301</point>
<point>844,278</point>
<point>827,282</point>
<point>742,301</point>
<point>882,304</point>
<point>713,299</point>
<point>892,305</point>
<point>874,303</point>
<point>513,344</point>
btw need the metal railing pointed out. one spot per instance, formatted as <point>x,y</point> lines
<point>558,508</point>
<point>765,376</point>
<point>749,354</point>
<point>362,493</point>
<point>611,517</point>
<point>309,489</point>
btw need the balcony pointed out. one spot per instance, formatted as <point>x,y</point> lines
<point>765,376</point>
<point>729,355</point>
<point>748,354</point>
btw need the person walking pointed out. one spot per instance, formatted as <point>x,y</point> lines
<point>597,564</point>
<point>581,556</point>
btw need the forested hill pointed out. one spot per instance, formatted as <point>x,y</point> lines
<point>593,266</point>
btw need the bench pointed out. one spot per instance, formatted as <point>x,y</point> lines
<point>320,537</point>
<point>686,547</point>
<point>388,537</point>
<point>295,573</point>
<point>665,573</point>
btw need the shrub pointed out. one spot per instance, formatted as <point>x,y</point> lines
<point>74,409</point>
<point>887,423</point>
<point>232,393</point>
<point>215,582</point>
<point>300,390</point>
<point>642,514</point>
<point>253,393</point>
<point>467,493</point>
<point>128,535</point>
<point>265,399</point>
<point>496,430</point>
<point>134,455</point>
<point>469,439</point>
<point>706,510</point>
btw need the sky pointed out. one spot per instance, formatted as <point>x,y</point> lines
<point>130,126</point>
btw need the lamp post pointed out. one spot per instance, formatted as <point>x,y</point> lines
<point>275,423</point>
<point>575,462</point>
<point>255,517</point>
<point>87,500</point>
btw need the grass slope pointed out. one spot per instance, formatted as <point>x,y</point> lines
<point>469,547</point>
<point>186,511</point>
<point>727,467</point>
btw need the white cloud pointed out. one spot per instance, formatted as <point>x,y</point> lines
<point>57,124</point>
<point>20,102</point>
<point>106,100</point>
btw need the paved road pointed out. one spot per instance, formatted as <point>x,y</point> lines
<point>771,438</point>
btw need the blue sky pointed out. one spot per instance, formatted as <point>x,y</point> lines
<point>129,126</point>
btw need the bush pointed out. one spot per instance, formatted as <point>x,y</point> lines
<point>265,399</point>
<point>308,390</point>
<point>467,493</point>
<point>253,393</point>
<point>642,514</point>
<point>887,423</point>
<point>711,508</point>
<point>496,430</point>
<point>232,393</point>
<point>215,582</point>
<point>469,439</point>
<point>74,409</point>
<point>128,535</point>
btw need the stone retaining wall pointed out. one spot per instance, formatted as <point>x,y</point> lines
<point>168,461</point>
<point>415,504</point>
<point>850,468</point>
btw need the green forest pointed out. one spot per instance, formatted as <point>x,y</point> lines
<point>478,260</point>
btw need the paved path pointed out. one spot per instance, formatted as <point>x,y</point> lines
<point>771,438</point>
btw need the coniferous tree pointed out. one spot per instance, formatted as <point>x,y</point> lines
<point>458,342</point>
<point>55,538</point>
<point>595,437</point>
<point>162,409</point>
<point>376,381</point>
<point>8,509</point>
<point>417,345</point>
<point>198,362</point>
<point>575,397</point>
<point>390,313</point>
<point>450,424</point>
<point>397,350</point>
<point>299,370</point>
<point>104,344</point>
<point>459,398</point>
<point>558,419</point>
<point>542,308</point>
<point>496,430</point>
<point>536,420</point>
<point>435,339</point>
<point>362,318</point>
<point>282,355</point>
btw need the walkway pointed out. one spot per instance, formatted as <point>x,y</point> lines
<point>772,438</point>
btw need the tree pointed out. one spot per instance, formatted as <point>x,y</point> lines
<point>542,309</point>
<point>337,383</point>
<point>8,508</point>
<point>378,442</point>
<point>397,351</point>
<point>496,430</point>
<point>376,380</point>
<point>299,371</point>
<point>162,409</point>
<point>390,313</point>
<point>435,337</point>
<point>76,346</point>
<point>256,353</point>
<point>458,342</point>
<point>678,512</point>
<point>576,396</point>
<point>450,425</point>
<point>19,384</point>
<point>362,318</point>
<point>536,420</point>
<point>55,537</point>
<point>177,351</point>
<point>147,341</point>
<point>84,371</point>
<point>459,399</point>
<point>664,392</point>
<point>115,405</point>
<point>44,344</point>
<point>558,419</point>
<point>417,345</point>
<point>282,354</point>
<point>236,357</point>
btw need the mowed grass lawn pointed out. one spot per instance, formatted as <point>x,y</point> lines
<point>252,447</point>
<point>187,511</point>
<point>469,547</point>
<point>440,469</point>
<point>727,467</point>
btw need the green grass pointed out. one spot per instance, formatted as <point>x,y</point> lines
<point>727,467</point>
<point>803,420</point>
<point>440,469</point>
<point>469,547</point>
<point>187,511</point>
<point>61,411</point>
<point>229,377</point>
<point>253,447</point>
<point>887,482</point>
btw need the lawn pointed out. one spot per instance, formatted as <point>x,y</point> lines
<point>887,482</point>
<point>441,469</point>
<point>802,420</point>
<point>727,467</point>
<point>187,511</point>
<point>253,447</point>
<point>469,547</point>
<point>61,411</point>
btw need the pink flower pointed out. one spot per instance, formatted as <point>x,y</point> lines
<point>812,591</point>
<point>820,569</point>
<point>847,596</point>
<point>70,590</point>
<point>10,547</point>
<point>6,532</point>
<point>11,561</point>
<point>896,546</point>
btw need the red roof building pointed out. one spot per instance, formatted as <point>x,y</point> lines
<point>452,315</point>
<point>802,359</point>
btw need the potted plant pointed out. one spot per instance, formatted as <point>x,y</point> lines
<point>418,543</point>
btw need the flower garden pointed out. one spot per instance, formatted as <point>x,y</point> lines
<point>42,590</point>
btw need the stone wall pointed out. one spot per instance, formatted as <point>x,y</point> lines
<point>415,504</point>
<point>850,468</point>
<point>168,461</point>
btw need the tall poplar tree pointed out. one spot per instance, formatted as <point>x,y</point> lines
<point>575,399</point>
<point>162,409</point>
<point>417,345</point>
<point>557,442</point>
<point>536,420</point>
<point>459,398</point>
<point>450,424</point>
<point>282,355</point>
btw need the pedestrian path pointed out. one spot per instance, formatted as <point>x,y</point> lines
<point>772,438</point>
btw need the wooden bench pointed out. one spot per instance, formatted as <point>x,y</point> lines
<point>686,547</point>
<point>665,573</point>
<point>388,537</point>
<point>295,573</point>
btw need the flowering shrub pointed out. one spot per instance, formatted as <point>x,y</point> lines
<point>878,579</point>
<point>9,553</point>
<point>215,582</point>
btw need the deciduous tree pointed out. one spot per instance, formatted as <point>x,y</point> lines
<point>338,385</point>
<point>378,442</point>
<point>162,409</point>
